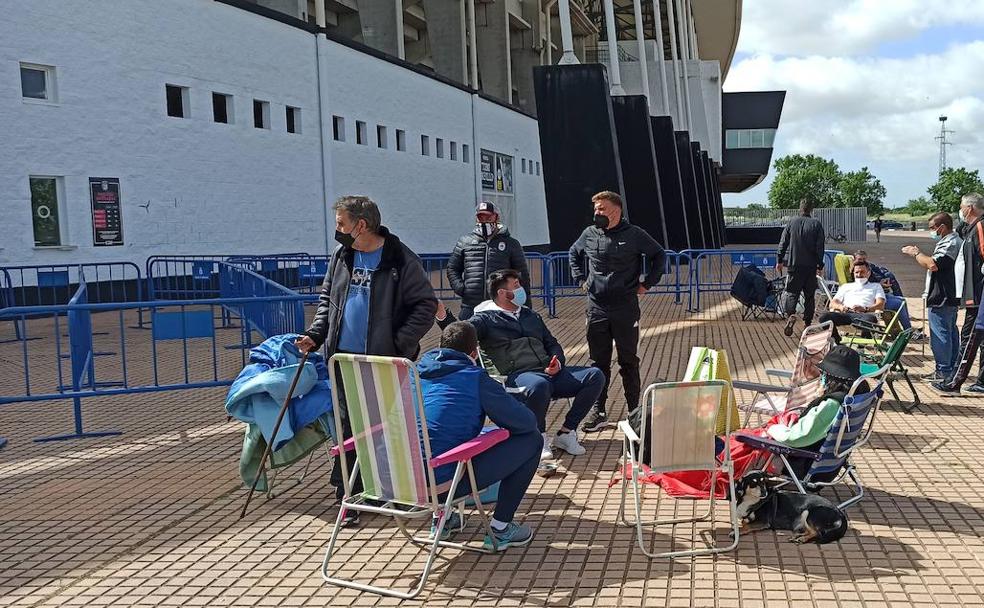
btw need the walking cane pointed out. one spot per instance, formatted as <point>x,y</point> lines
<point>273,437</point>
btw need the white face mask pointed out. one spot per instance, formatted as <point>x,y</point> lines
<point>861,280</point>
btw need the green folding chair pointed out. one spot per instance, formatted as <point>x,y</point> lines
<point>893,358</point>
<point>881,337</point>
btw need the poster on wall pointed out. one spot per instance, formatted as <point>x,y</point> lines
<point>107,221</point>
<point>488,170</point>
<point>497,172</point>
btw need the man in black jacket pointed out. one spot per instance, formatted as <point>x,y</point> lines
<point>614,262</point>
<point>376,298</point>
<point>801,248</point>
<point>481,252</point>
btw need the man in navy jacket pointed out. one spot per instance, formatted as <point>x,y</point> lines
<point>458,395</point>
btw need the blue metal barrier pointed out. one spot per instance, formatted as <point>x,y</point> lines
<point>714,270</point>
<point>265,317</point>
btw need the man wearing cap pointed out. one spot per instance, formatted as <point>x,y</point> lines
<point>484,250</point>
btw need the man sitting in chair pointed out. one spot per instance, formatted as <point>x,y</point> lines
<point>458,395</point>
<point>857,301</point>
<point>893,291</point>
<point>523,349</point>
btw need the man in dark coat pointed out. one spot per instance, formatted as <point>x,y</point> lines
<point>801,248</point>
<point>481,252</point>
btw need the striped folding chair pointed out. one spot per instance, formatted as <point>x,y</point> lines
<point>804,379</point>
<point>679,419</point>
<point>393,458</point>
<point>831,463</point>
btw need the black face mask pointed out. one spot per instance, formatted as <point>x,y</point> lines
<point>601,221</point>
<point>486,229</point>
<point>344,238</point>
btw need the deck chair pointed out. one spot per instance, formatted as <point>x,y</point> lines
<point>831,464</point>
<point>681,417</point>
<point>384,402</point>
<point>893,359</point>
<point>803,381</point>
<point>710,364</point>
<point>842,268</point>
<point>881,337</point>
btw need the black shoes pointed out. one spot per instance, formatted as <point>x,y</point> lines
<point>790,324</point>
<point>598,421</point>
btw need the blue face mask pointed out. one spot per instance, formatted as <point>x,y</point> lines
<point>519,297</point>
<point>935,235</point>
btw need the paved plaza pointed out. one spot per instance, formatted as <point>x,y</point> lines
<point>149,518</point>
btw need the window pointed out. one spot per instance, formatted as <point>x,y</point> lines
<point>454,150</point>
<point>338,128</point>
<point>731,139</point>
<point>382,139</point>
<point>45,211</point>
<point>177,101</point>
<point>261,114</point>
<point>37,81</point>
<point>360,133</point>
<point>464,153</point>
<point>293,119</point>
<point>440,148</point>
<point>523,170</point>
<point>749,138</point>
<point>401,140</point>
<point>758,140</point>
<point>425,145</point>
<point>538,167</point>
<point>770,137</point>
<point>222,108</point>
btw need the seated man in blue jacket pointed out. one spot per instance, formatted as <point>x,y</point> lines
<point>522,348</point>
<point>458,395</point>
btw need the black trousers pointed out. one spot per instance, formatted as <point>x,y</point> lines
<point>801,280</point>
<point>618,325</point>
<point>337,471</point>
<point>966,331</point>
<point>846,318</point>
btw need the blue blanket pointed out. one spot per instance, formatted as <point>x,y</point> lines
<point>260,389</point>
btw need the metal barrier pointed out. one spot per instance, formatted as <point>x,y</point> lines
<point>47,284</point>
<point>265,317</point>
<point>7,300</point>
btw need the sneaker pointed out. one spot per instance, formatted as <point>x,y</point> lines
<point>944,388</point>
<point>350,518</point>
<point>513,535</point>
<point>454,524</point>
<point>975,388</point>
<point>790,324</point>
<point>597,422</point>
<point>568,443</point>
<point>546,453</point>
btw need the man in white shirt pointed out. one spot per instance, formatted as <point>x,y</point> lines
<point>862,300</point>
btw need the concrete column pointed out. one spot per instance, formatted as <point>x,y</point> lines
<point>661,57</point>
<point>472,45</point>
<point>684,49</point>
<point>613,72</point>
<point>525,57</point>
<point>678,115</point>
<point>319,12</point>
<point>382,25</point>
<point>494,57</point>
<point>446,32</point>
<point>566,35</point>
<point>641,43</point>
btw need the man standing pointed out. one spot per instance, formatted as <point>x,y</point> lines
<point>615,263</point>
<point>857,301</point>
<point>971,230</point>
<point>481,252</point>
<point>941,294</point>
<point>375,299</point>
<point>878,229</point>
<point>801,248</point>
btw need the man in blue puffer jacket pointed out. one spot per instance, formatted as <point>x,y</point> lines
<point>458,395</point>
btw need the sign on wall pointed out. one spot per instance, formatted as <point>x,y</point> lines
<point>497,172</point>
<point>107,222</point>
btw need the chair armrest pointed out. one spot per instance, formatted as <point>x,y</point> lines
<point>759,387</point>
<point>775,447</point>
<point>470,448</point>
<point>348,445</point>
<point>866,326</point>
<point>628,431</point>
<point>779,373</point>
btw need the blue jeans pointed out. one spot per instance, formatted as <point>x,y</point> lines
<point>894,303</point>
<point>944,339</point>
<point>584,384</point>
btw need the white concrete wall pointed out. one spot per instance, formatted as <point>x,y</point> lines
<point>217,188</point>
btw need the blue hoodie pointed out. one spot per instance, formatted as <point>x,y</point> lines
<point>458,395</point>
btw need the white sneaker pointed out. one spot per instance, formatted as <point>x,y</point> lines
<point>568,443</point>
<point>546,453</point>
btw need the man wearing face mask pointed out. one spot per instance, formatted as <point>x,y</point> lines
<point>522,348</point>
<point>857,301</point>
<point>801,248</point>
<point>941,294</point>
<point>375,299</point>
<point>481,252</point>
<point>615,263</point>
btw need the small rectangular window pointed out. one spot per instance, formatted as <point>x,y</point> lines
<point>338,128</point>
<point>758,138</point>
<point>360,133</point>
<point>744,138</point>
<point>770,137</point>
<point>293,119</point>
<point>177,101</point>
<point>37,81</point>
<point>45,211</point>
<point>425,145</point>
<point>261,114</point>
<point>401,140</point>
<point>464,153</point>
<point>538,167</point>
<point>523,165</point>
<point>382,139</point>
<point>222,108</point>
<point>440,148</point>
<point>454,150</point>
<point>731,139</point>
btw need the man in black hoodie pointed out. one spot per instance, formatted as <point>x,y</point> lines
<point>615,263</point>
<point>801,248</point>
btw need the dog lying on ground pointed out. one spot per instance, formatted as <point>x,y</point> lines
<point>811,518</point>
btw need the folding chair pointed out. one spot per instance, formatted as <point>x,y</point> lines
<point>680,417</point>
<point>893,359</point>
<point>882,337</point>
<point>832,463</point>
<point>804,378</point>
<point>393,458</point>
<point>710,364</point>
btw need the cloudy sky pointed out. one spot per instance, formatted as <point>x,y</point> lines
<point>866,81</point>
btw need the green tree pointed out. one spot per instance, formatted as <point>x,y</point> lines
<point>755,206</point>
<point>799,176</point>
<point>919,206</point>
<point>861,189</point>
<point>953,183</point>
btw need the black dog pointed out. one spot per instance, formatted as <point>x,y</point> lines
<point>812,518</point>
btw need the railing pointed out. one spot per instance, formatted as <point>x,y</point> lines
<point>45,284</point>
<point>268,318</point>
